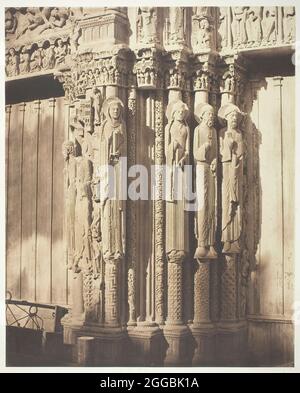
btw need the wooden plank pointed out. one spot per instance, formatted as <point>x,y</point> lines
<point>44,197</point>
<point>288,137</point>
<point>271,247</point>
<point>59,266</point>
<point>69,272</point>
<point>14,193</point>
<point>29,193</point>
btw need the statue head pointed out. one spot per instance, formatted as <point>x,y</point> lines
<point>205,113</point>
<point>60,43</point>
<point>232,119</point>
<point>31,10</point>
<point>204,24</point>
<point>231,114</point>
<point>113,109</point>
<point>55,12</point>
<point>177,111</point>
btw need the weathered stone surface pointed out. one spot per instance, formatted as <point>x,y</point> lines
<point>180,87</point>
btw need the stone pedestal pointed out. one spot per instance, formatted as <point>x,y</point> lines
<point>108,344</point>
<point>231,342</point>
<point>85,351</point>
<point>204,336</point>
<point>179,344</point>
<point>146,346</point>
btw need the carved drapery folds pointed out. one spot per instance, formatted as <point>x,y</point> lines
<point>99,134</point>
<point>177,142</point>
<point>232,154</point>
<point>147,26</point>
<point>205,156</point>
<point>175,27</point>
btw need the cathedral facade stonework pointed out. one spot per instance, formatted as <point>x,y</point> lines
<point>181,93</point>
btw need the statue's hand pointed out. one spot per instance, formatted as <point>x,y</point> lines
<point>213,166</point>
<point>181,162</point>
<point>207,146</point>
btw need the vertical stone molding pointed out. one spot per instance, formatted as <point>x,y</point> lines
<point>159,213</point>
<point>131,212</point>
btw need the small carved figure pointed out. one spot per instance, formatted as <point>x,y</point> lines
<point>48,61</point>
<point>58,17</point>
<point>96,103</point>
<point>24,61</point>
<point>176,15</point>
<point>10,21</point>
<point>6,64</point>
<point>13,63</point>
<point>238,25</point>
<point>205,34</point>
<point>97,77</point>
<point>147,25</point>
<point>253,25</point>
<point>223,27</point>
<point>269,24</point>
<point>60,52</point>
<point>289,23</point>
<point>36,60</point>
<point>34,19</point>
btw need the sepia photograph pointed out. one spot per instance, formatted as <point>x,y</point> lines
<point>150,186</point>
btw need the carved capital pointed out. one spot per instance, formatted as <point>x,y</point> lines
<point>91,70</point>
<point>232,83</point>
<point>176,256</point>
<point>204,74</point>
<point>177,70</point>
<point>149,69</point>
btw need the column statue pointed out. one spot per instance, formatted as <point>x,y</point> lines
<point>205,156</point>
<point>231,154</point>
<point>177,141</point>
<point>113,146</point>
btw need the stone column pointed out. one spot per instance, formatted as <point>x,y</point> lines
<point>146,338</point>
<point>232,327</point>
<point>177,217</point>
<point>92,84</point>
<point>206,255</point>
<point>131,212</point>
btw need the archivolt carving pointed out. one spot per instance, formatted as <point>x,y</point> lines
<point>147,25</point>
<point>202,35</point>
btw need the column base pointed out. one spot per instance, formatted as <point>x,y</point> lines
<point>231,343</point>
<point>108,345</point>
<point>179,345</point>
<point>145,346</point>
<point>204,335</point>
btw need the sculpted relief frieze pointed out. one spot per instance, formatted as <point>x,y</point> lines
<point>40,39</point>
